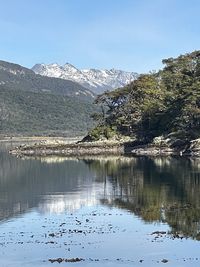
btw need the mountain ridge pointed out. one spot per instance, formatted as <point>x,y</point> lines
<point>96,80</point>
<point>18,77</point>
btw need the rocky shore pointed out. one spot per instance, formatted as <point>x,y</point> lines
<point>69,149</point>
<point>159,147</point>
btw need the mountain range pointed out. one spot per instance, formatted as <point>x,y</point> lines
<point>62,104</point>
<point>17,77</point>
<point>96,80</point>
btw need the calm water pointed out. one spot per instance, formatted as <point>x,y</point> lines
<point>107,211</point>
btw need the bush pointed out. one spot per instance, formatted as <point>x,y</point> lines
<point>101,133</point>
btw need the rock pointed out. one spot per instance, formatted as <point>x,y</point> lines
<point>59,260</point>
<point>52,235</point>
<point>164,261</point>
<point>159,233</point>
<point>161,141</point>
<point>74,260</point>
<point>178,143</point>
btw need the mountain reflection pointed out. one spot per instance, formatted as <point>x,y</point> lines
<point>155,189</point>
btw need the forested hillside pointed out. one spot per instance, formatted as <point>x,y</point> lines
<point>165,103</point>
<point>34,105</point>
<point>29,113</point>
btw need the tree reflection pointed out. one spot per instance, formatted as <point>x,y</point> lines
<point>156,189</point>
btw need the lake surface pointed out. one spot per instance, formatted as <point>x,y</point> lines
<point>114,211</point>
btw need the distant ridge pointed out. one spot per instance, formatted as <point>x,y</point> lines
<point>17,77</point>
<point>96,80</point>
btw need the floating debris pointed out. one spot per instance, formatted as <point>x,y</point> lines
<point>59,260</point>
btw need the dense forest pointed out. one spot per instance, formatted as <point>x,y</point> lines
<point>160,103</point>
<point>31,113</point>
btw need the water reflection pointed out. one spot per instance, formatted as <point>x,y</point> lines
<point>155,189</point>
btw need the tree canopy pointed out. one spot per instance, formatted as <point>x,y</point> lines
<point>154,104</point>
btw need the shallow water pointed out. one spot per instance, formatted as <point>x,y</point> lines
<point>114,211</point>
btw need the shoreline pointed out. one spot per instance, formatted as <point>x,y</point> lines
<point>27,139</point>
<point>68,148</point>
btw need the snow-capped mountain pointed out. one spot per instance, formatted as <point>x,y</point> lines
<point>96,80</point>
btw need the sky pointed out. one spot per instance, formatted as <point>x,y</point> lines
<point>132,35</point>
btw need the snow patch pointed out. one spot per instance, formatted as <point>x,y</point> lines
<point>94,79</point>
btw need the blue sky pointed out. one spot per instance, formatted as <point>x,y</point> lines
<point>133,35</point>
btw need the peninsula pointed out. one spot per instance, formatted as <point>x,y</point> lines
<point>156,114</point>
